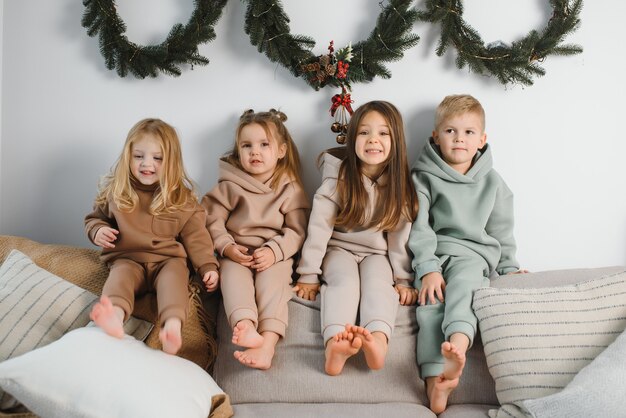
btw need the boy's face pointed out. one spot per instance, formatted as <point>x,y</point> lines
<point>459,138</point>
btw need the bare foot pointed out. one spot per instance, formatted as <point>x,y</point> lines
<point>440,387</point>
<point>260,357</point>
<point>108,317</point>
<point>246,335</point>
<point>338,350</point>
<point>170,335</point>
<point>374,346</point>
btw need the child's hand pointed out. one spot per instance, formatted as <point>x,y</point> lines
<point>432,285</point>
<point>306,291</point>
<point>408,295</point>
<point>105,236</point>
<point>211,279</point>
<point>520,271</point>
<point>264,258</point>
<point>239,254</point>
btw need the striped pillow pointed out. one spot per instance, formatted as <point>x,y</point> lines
<point>36,308</point>
<point>536,340</point>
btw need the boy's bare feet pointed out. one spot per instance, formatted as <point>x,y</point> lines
<point>108,317</point>
<point>170,335</point>
<point>374,346</point>
<point>439,388</point>
<point>259,357</point>
<point>339,349</point>
<point>246,335</point>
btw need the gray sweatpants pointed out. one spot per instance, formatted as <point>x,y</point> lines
<point>438,322</point>
<point>354,284</point>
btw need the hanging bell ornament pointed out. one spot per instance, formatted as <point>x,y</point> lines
<point>335,127</point>
<point>341,139</point>
<point>344,128</point>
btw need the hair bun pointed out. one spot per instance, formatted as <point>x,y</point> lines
<point>279,115</point>
<point>246,113</point>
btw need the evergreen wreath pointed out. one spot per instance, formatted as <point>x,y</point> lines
<point>517,62</point>
<point>180,47</point>
<point>268,26</point>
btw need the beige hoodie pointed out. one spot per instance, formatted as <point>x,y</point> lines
<point>322,232</point>
<point>146,238</point>
<point>245,211</point>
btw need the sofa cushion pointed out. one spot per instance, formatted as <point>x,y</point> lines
<point>599,389</point>
<point>344,410</point>
<point>536,340</point>
<point>89,373</point>
<point>83,267</point>
<point>298,368</point>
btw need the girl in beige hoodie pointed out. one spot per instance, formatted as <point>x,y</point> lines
<point>149,223</point>
<point>357,238</point>
<point>257,218</point>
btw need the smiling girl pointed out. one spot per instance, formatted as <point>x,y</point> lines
<point>148,221</point>
<point>257,217</point>
<point>357,235</point>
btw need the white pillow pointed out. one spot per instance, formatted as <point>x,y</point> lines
<point>598,390</point>
<point>88,373</point>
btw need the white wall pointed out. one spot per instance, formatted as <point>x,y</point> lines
<point>558,144</point>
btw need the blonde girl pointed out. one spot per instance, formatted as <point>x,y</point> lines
<point>148,222</point>
<point>257,217</point>
<point>357,236</point>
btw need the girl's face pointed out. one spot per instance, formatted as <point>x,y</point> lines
<point>146,159</point>
<point>459,138</point>
<point>259,154</point>
<point>373,143</point>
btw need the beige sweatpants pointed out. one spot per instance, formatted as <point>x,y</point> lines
<point>354,284</point>
<point>260,297</point>
<point>169,279</point>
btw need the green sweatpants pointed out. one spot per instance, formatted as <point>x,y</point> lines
<point>463,275</point>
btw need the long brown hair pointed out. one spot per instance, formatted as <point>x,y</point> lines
<point>272,123</point>
<point>176,189</point>
<point>398,199</point>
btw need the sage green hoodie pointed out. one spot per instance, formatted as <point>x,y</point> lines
<point>470,214</point>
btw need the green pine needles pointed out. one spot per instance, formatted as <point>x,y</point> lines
<point>180,46</point>
<point>267,24</point>
<point>514,63</point>
<point>268,27</point>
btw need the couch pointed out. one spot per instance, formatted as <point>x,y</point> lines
<point>296,385</point>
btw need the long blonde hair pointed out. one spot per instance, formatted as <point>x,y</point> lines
<point>398,199</point>
<point>175,190</point>
<point>272,123</point>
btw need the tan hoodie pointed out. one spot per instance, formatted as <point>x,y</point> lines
<point>245,211</point>
<point>322,232</point>
<point>146,238</point>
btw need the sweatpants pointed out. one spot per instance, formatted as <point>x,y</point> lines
<point>259,297</point>
<point>354,284</point>
<point>168,278</point>
<point>463,275</point>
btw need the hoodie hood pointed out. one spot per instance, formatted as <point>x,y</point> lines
<point>229,172</point>
<point>430,161</point>
<point>330,166</point>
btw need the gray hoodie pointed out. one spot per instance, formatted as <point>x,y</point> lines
<point>470,214</point>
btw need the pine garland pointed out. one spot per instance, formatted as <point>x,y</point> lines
<point>515,63</point>
<point>268,26</point>
<point>180,47</point>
